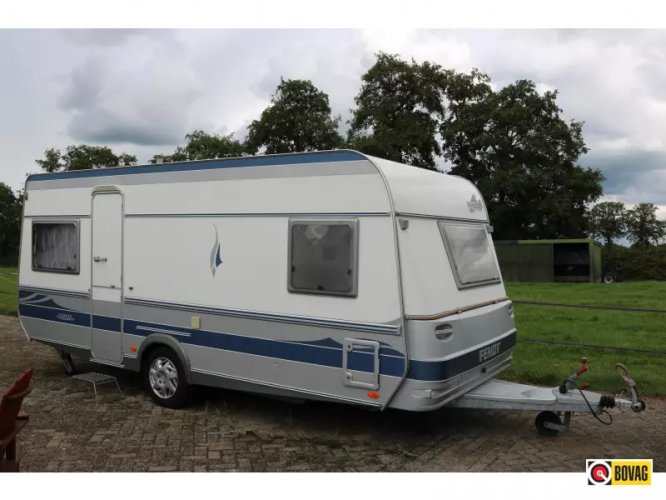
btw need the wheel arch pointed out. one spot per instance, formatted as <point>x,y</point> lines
<point>161,340</point>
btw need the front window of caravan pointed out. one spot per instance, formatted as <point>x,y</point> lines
<point>323,257</point>
<point>471,254</point>
<point>55,247</point>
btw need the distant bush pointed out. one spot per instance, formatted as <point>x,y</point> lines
<point>9,260</point>
<point>636,263</point>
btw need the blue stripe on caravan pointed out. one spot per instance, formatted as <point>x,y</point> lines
<point>250,161</point>
<point>51,314</point>
<point>106,323</point>
<point>442,370</point>
<point>248,345</point>
<point>361,361</point>
<point>291,351</point>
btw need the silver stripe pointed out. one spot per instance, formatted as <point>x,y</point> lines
<point>192,174</point>
<point>282,318</point>
<point>105,362</point>
<point>268,214</point>
<point>53,291</point>
<point>439,217</point>
<point>161,330</point>
<point>287,388</point>
<point>86,216</point>
<point>486,342</point>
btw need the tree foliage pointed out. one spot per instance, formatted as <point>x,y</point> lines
<point>203,146</point>
<point>10,224</point>
<point>83,157</point>
<point>643,227</point>
<point>298,119</point>
<point>608,221</point>
<point>398,111</point>
<point>514,145</point>
<point>178,155</point>
<point>637,262</point>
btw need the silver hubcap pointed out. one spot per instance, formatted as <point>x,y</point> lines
<point>163,377</point>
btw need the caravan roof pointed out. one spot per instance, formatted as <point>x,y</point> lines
<point>353,182</point>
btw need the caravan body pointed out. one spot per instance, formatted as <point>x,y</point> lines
<point>328,275</point>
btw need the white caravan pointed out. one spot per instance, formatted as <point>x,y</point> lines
<point>326,275</point>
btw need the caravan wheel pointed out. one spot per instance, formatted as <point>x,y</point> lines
<point>542,418</point>
<point>165,378</point>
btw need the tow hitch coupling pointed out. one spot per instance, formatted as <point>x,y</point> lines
<point>637,404</point>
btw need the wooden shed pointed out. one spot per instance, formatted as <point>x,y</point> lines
<point>573,260</point>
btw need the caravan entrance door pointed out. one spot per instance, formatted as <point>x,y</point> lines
<point>107,266</point>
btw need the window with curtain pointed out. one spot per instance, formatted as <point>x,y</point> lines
<point>55,247</point>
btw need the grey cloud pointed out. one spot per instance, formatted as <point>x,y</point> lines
<point>103,127</point>
<point>634,176</point>
<point>84,86</point>
<point>142,100</point>
<point>107,37</point>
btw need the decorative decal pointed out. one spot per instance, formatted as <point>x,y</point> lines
<point>475,205</point>
<point>215,259</point>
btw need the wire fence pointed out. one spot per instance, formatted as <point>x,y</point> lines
<point>592,346</point>
<point>586,306</point>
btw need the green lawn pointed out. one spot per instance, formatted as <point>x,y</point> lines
<point>643,294</point>
<point>8,293</point>
<point>546,364</point>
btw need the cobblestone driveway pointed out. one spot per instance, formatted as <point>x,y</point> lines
<point>227,431</point>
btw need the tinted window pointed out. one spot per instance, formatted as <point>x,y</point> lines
<point>55,247</point>
<point>470,251</point>
<point>323,257</point>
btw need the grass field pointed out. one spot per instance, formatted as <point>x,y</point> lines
<point>8,280</point>
<point>642,294</point>
<point>551,364</point>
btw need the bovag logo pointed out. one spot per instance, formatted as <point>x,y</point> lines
<point>619,472</point>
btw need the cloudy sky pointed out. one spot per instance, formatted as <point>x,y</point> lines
<point>140,92</point>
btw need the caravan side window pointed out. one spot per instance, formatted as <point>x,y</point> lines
<point>323,257</point>
<point>471,254</point>
<point>55,247</point>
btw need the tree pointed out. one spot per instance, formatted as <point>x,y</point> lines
<point>83,157</point>
<point>298,119</point>
<point>203,146</point>
<point>178,155</point>
<point>608,220</point>
<point>643,227</point>
<point>514,145</point>
<point>10,224</point>
<point>399,109</point>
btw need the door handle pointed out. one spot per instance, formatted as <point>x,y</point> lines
<point>100,259</point>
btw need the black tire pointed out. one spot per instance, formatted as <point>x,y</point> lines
<point>542,418</point>
<point>164,378</point>
<point>609,278</point>
<point>640,406</point>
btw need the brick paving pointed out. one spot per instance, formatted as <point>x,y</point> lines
<point>232,431</point>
